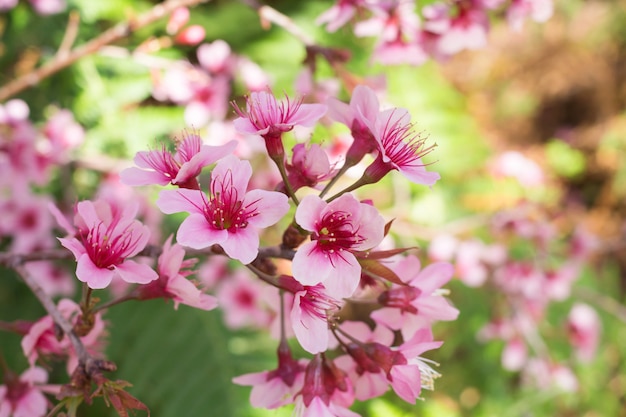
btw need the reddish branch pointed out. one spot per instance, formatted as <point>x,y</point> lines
<point>66,58</point>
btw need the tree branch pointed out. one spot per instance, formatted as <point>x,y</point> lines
<point>112,35</point>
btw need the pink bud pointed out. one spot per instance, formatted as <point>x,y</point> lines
<point>177,20</point>
<point>191,35</point>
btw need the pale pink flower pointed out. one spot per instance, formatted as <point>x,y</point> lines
<point>172,283</point>
<point>547,375</point>
<point>273,389</point>
<point>46,7</point>
<point>53,279</point>
<point>181,168</point>
<point>245,301</point>
<point>191,35</point>
<point>419,303</point>
<point>178,18</point>
<point>583,325</point>
<point>515,165</point>
<point>537,10</point>
<point>514,355</point>
<point>229,215</point>
<point>105,238</point>
<point>339,229</point>
<point>399,149</point>
<point>22,396</point>
<point>216,57</point>
<point>467,30</point>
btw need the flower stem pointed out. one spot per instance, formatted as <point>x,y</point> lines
<point>280,163</point>
<point>332,182</point>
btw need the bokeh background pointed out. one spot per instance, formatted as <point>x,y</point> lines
<point>556,92</point>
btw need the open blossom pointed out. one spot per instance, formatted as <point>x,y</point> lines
<point>22,396</point>
<point>172,282</point>
<point>105,238</point>
<point>309,313</point>
<point>270,118</point>
<point>181,168</point>
<point>229,215</point>
<point>583,326</point>
<point>338,228</point>
<point>418,304</point>
<point>399,149</point>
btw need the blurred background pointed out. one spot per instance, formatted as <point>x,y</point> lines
<point>531,147</point>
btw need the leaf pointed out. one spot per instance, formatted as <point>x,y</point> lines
<point>376,269</point>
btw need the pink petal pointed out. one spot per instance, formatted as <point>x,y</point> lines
<point>311,331</point>
<point>244,125</point>
<point>186,292</point>
<point>308,114</point>
<point>96,278</point>
<point>406,382</point>
<point>309,211</point>
<point>242,245</point>
<point>195,232</point>
<point>419,175</point>
<point>136,273</point>
<point>135,176</point>
<point>74,246</point>
<point>340,111</point>
<point>231,171</point>
<point>271,206</point>
<point>433,277</point>
<point>390,317</point>
<point>207,156</point>
<point>365,101</point>
<point>176,201</point>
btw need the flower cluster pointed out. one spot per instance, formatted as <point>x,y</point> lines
<point>440,29</point>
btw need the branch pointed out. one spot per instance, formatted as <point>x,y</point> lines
<point>270,15</point>
<point>112,35</point>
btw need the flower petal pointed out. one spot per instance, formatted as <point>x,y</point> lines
<point>136,273</point>
<point>96,278</point>
<point>195,232</point>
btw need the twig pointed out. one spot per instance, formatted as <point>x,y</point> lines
<point>52,310</point>
<point>112,35</point>
<point>71,31</point>
<point>269,14</point>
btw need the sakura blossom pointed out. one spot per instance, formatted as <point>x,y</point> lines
<point>409,308</point>
<point>339,229</point>
<point>399,149</point>
<point>583,325</point>
<point>308,167</point>
<point>106,236</point>
<point>172,282</point>
<point>230,215</point>
<point>181,168</point>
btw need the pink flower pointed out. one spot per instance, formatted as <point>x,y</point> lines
<point>42,337</point>
<point>358,116</point>
<point>273,389</point>
<point>269,118</point>
<point>400,149</point>
<point>311,306</point>
<point>338,229</point>
<point>230,215</point>
<point>326,392</point>
<point>172,282</point>
<point>538,10</point>
<point>182,168</point>
<point>308,167</point>
<point>583,326</point>
<point>105,237</point>
<point>407,308</point>
<point>515,165</point>
<point>22,396</point>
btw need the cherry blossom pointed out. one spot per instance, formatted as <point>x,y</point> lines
<point>172,283</point>
<point>229,215</point>
<point>23,395</point>
<point>105,238</point>
<point>339,229</point>
<point>583,325</point>
<point>181,168</point>
<point>308,167</point>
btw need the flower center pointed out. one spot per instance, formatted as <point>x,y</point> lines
<point>105,249</point>
<point>337,232</point>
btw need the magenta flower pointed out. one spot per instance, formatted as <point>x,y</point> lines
<point>338,229</point>
<point>229,215</point>
<point>270,118</point>
<point>105,238</point>
<point>400,149</point>
<point>172,282</point>
<point>162,167</point>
